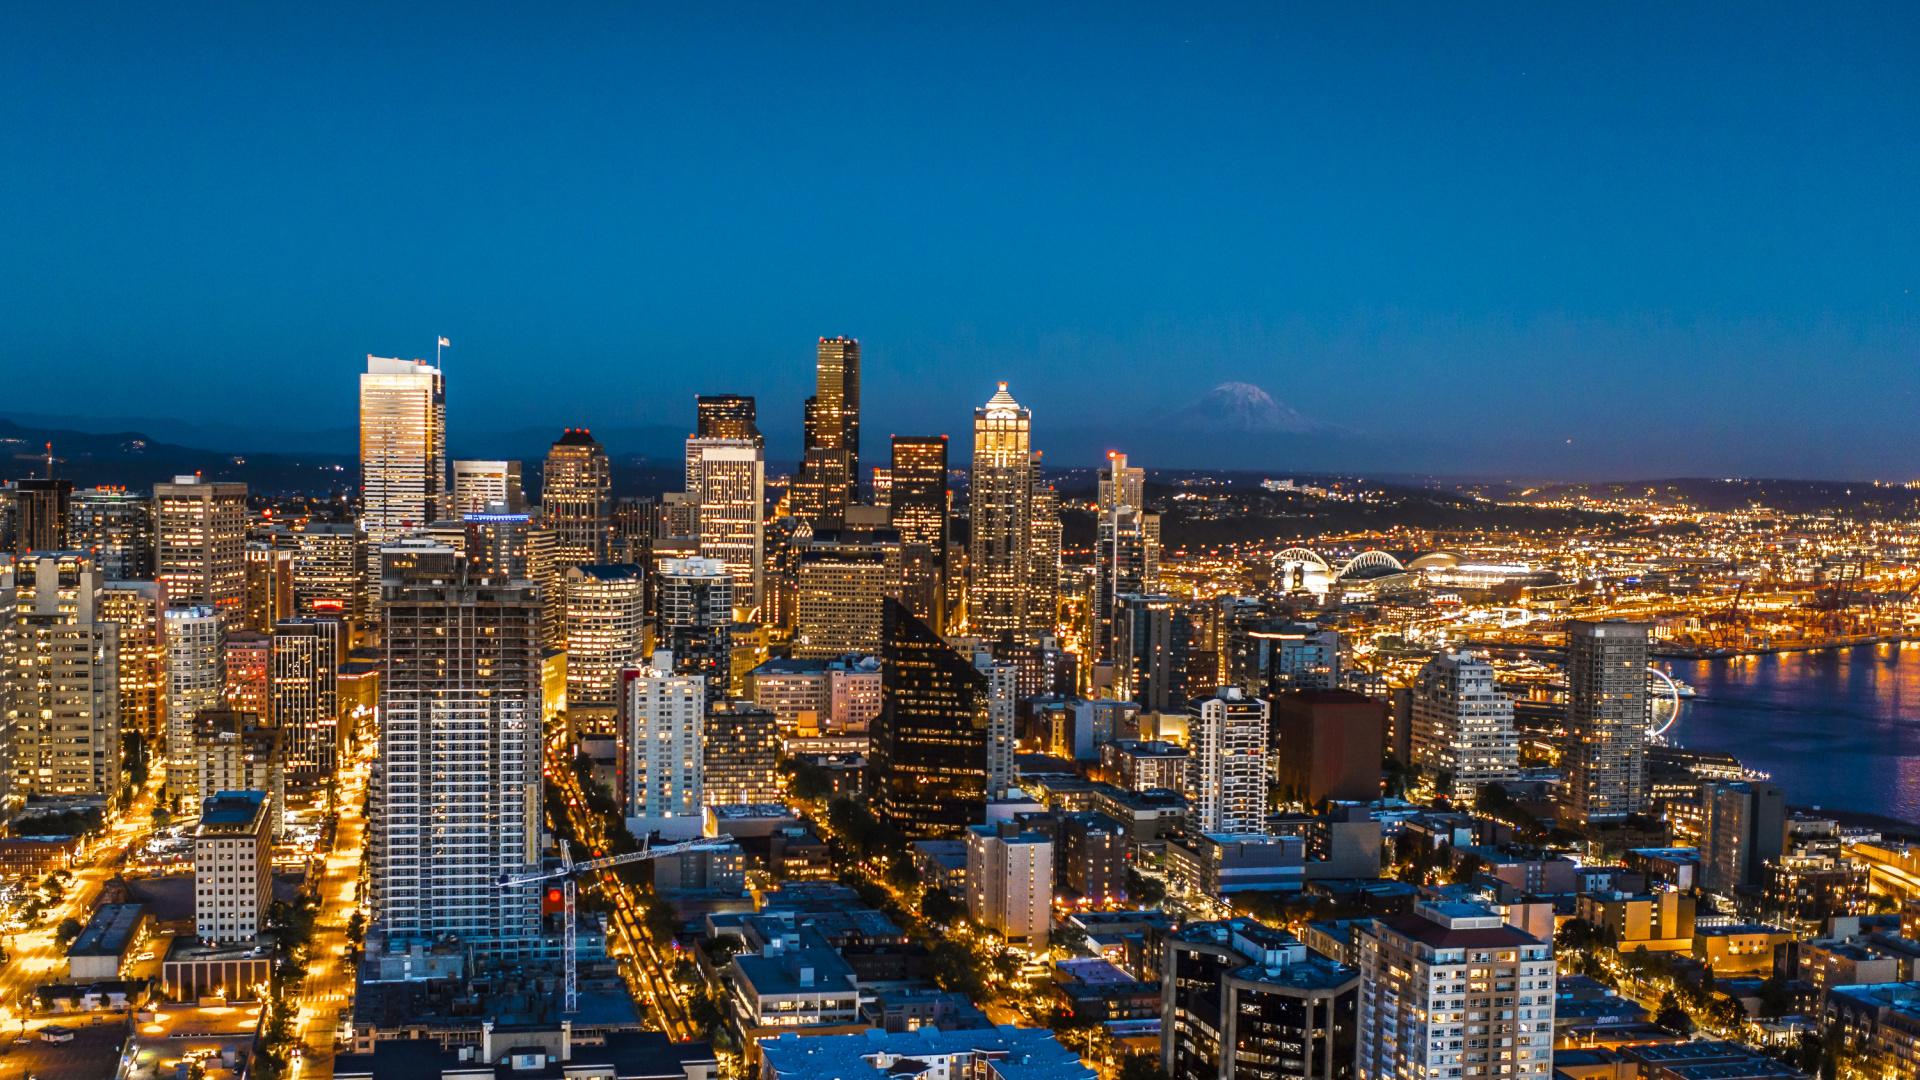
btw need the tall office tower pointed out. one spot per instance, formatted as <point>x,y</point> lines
<point>1128,561</point>
<point>115,528</point>
<point>250,673</point>
<point>330,570</point>
<point>1428,982</point>
<point>233,866</point>
<point>1327,744</point>
<point>606,631</point>
<point>1244,1001</point>
<point>480,486</point>
<point>1010,880</point>
<point>1268,657</point>
<point>1043,576</point>
<point>1462,726</point>
<point>1745,827</point>
<point>662,725</point>
<point>241,751</point>
<point>196,680</point>
<point>830,469</point>
<point>138,608</point>
<point>1118,486</point>
<point>1003,698</point>
<point>269,585</point>
<point>725,416</point>
<point>927,770</point>
<point>456,791</point>
<point>576,498</point>
<point>1151,636</point>
<point>201,548</point>
<point>636,522</point>
<point>882,485</point>
<point>742,755</point>
<point>841,589</point>
<point>1607,712</point>
<point>787,540</point>
<point>696,620</point>
<point>42,513</point>
<point>306,697</point>
<point>728,477</point>
<point>1227,778</point>
<point>917,506</point>
<point>1000,544</point>
<point>679,515</point>
<point>403,447</point>
<point>61,684</point>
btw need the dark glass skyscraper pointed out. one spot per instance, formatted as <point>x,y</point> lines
<point>919,514</point>
<point>830,471</point>
<point>928,766</point>
<point>725,416</point>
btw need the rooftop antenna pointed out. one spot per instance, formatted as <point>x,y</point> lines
<point>49,460</point>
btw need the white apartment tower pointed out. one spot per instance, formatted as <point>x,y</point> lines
<point>1010,880</point>
<point>1453,990</point>
<point>1227,773</point>
<point>1002,697</point>
<point>196,680</point>
<point>1462,726</point>
<point>233,866</point>
<point>60,688</point>
<point>662,728</point>
<point>727,479</point>
<point>403,447</point>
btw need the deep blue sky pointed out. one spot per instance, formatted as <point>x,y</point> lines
<point>1683,240</point>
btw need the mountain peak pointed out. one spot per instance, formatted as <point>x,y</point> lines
<point>1244,407</point>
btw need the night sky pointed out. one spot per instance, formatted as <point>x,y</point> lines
<point>1531,239</point>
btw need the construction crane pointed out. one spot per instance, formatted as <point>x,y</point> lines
<point>568,870</point>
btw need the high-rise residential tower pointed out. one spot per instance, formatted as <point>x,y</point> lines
<point>1463,726</point>
<point>403,447</point>
<point>830,471</point>
<point>1607,712</point>
<point>606,632</point>
<point>728,479</point>
<point>1227,774</point>
<point>456,791</point>
<point>696,620</point>
<point>999,554</point>
<point>201,550</point>
<point>840,589</point>
<point>42,514</point>
<point>1128,561</point>
<point>927,771</point>
<point>1043,553</point>
<point>139,608</point>
<point>60,688</point>
<point>1118,485</point>
<point>1003,698</point>
<point>306,661</point>
<point>115,528</point>
<point>479,486</point>
<point>662,728</point>
<point>917,509</point>
<point>196,680</point>
<point>742,754</point>
<point>576,498</point>
<point>1151,639</point>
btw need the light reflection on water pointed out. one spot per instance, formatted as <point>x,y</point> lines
<point>1832,727</point>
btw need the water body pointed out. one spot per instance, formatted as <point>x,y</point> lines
<point>1838,729</point>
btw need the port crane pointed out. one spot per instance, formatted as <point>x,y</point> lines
<point>568,870</point>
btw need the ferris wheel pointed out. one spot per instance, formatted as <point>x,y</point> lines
<point>1664,703</point>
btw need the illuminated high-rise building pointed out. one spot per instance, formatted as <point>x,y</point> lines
<point>1118,485</point>
<point>728,479</point>
<point>269,583</point>
<point>696,620</point>
<point>115,528</point>
<point>403,447</point>
<point>1607,712</point>
<point>1151,640</point>
<point>742,751</point>
<point>138,607</point>
<point>1003,695</point>
<point>60,687</point>
<point>1463,726</point>
<point>725,416</point>
<point>306,664</point>
<point>456,788</point>
<point>329,570</point>
<point>478,485</point>
<point>606,609</point>
<point>42,512</point>
<point>1000,547</point>
<point>201,547</point>
<point>1227,774</point>
<point>196,680</point>
<point>250,673</point>
<point>842,583</point>
<point>1043,551</point>
<point>1127,562</point>
<point>662,770</point>
<point>927,770</point>
<point>576,499</point>
<point>830,469</point>
<point>917,501</point>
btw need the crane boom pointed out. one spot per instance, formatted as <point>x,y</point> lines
<point>706,843</point>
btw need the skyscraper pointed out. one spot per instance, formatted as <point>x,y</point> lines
<point>1043,553</point>
<point>201,551</point>
<point>1607,712</point>
<point>725,416</point>
<point>60,688</point>
<point>1118,486</point>
<point>927,771</point>
<point>1227,777</point>
<point>1151,637</point>
<point>42,510</point>
<point>329,570</point>
<point>662,726</point>
<point>917,509</point>
<point>830,469</point>
<point>1128,561</point>
<point>606,632</point>
<point>728,479</point>
<point>1003,698</point>
<point>250,673</point>
<point>576,498</point>
<point>403,447</point>
<point>306,662</point>
<point>240,751</point>
<point>1000,545</point>
<point>138,607</point>
<point>841,587</point>
<point>1463,726</point>
<point>196,680</point>
<point>456,790</point>
<point>478,486</point>
<point>742,755</point>
<point>696,620</point>
<point>269,595</point>
<point>115,528</point>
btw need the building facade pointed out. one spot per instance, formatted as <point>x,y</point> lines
<point>927,771</point>
<point>742,752</point>
<point>1608,709</point>
<point>60,690</point>
<point>576,498</point>
<point>201,547</point>
<point>1010,881</point>
<point>663,748</point>
<point>116,528</point>
<point>403,447</point>
<point>196,680</point>
<point>1000,513</point>
<point>306,697</point>
<point>233,866</point>
<point>829,476</point>
<point>1227,774</point>
<point>728,479</point>
<point>1462,726</point>
<point>917,509</point>
<point>606,631</point>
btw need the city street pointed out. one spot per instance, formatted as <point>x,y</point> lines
<point>330,980</point>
